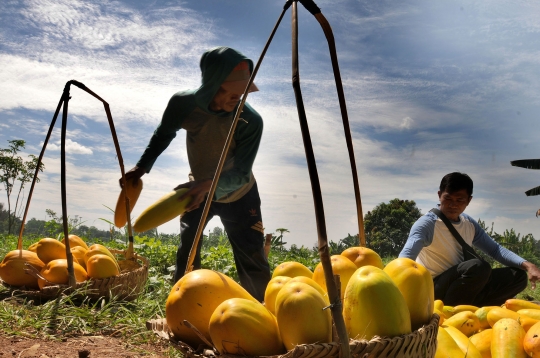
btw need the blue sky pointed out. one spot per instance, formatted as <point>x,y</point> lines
<point>431,88</point>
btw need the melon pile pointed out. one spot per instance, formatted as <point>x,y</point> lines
<point>377,300</point>
<point>49,263</point>
<point>511,330</point>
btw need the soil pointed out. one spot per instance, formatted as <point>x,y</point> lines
<point>77,347</point>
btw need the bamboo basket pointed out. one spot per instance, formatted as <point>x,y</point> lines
<point>421,343</point>
<point>133,276</point>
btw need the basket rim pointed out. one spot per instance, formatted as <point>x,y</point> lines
<point>160,328</point>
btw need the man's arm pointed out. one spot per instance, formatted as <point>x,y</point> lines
<point>501,254</point>
<point>421,235</point>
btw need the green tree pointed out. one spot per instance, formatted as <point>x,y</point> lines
<point>13,169</point>
<point>387,226</point>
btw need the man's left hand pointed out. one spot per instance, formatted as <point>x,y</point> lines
<point>532,271</point>
<point>198,190</point>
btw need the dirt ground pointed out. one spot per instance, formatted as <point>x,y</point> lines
<point>79,347</point>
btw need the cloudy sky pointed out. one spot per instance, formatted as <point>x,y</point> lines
<point>431,87</point>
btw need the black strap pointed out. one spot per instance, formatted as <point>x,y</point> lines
<point>464,246</point>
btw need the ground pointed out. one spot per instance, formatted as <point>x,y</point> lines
<point>78,347</point>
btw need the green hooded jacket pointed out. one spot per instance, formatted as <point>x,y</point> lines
<point>206,130</point>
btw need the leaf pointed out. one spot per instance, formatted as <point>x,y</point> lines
<point>533,191</point>
<point>527,163</point>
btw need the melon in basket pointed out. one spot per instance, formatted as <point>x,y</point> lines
<point>292,269</point>
<point>12,268</point>
<point>97,249</point>
<point>244,327</point>
<point>49,249</point>
<point>56,272</point>
<point>341,266</point>
<point>301,316</point>
<point>100,266</point>
<point>194,298</point>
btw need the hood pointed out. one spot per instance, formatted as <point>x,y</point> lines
<point>216,64</point>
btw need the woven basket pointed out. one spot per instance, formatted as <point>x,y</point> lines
<point>421,343</point>
<point>126,287</point>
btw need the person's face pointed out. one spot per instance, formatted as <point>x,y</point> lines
<point>452,205</point>
<point>225,100</point>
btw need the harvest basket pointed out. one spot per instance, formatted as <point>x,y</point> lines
<point>126,287</point>
<point>421,343</point>
<point>133,275</point>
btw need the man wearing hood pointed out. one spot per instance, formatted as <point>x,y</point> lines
<point>206,114</point>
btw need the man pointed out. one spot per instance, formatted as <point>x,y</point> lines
<point>458,281</point>
<point>206,114</point>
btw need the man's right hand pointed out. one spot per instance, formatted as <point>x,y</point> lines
<point>134,173</point>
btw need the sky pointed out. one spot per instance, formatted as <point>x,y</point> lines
<point>431,87</point>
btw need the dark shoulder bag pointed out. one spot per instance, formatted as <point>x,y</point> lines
<point>468,251</point>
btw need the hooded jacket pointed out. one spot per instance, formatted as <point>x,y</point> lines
<point>206,130</point>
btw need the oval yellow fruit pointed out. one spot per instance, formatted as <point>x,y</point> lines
<point>507,339</point>
<point>163,210</point>
<point>291,269</point>
<point>301,316</point>
<point>49,249</point>
<point>466,321</point>
<point>373,305</point>
<point>75,241</point>
<point>362,256</point>
<point>245,328</point>
<point>272,289</point>
<point>341,266</point>
<point>194,298</point>
<point>416,285</point>
<point>12,268</point>
<point>467,347</point>
<point>482,342</point>
<point>133,190</point>
<point>56,273</point>
<point>100,266</point>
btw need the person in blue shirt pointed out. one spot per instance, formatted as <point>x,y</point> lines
<point>206,114</point>
<point>458,281</point>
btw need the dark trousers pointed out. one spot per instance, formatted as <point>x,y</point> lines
<point>474,282</point>
<point>242,221</point>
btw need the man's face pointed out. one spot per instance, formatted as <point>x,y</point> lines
<point>225,100</point>
<point>453,204</point>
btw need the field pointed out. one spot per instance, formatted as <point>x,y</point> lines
<point>65,328</point>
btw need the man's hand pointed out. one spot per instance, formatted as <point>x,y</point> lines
<point>134,173</point>
<point>532,271</point>
<point>198,190</point>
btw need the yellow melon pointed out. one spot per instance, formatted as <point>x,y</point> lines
<point>507,339</point>
<point>341,266</point>
<point>49,249</point>
<point>245,328</point>
<point>466,321</point>
<point>416,285</point>
<point>447,346</point>
<point>12,268</point>
<point>74,241</point>
<point>362,256</point>
<point>96,249</point>
<point>194,298</point>
<point>531,341</point>
<point>33,247</point>
<point>163,210</point>
<point>291,269</point>
<point>373,305</point>
<point>56,273</point>
<point>133,189</point>
<point>482,342</point>
<point>482,313</point>
<point>100,266</point>
<point>272,289</point>
<point>313,284</point>
<point>469,350</point>
<point>78,253</point>
<point>301,316</point>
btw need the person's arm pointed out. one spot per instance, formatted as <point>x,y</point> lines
<point>248,137</point>
<point>501,254</point>
<point>173,116</point>
<point>420,236</point>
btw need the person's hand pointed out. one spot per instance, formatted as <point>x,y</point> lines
<point>134,173</point>
<point>198,190</point>
<point>533,272</point>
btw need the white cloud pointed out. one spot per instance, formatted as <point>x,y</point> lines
<point>72,147</point>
